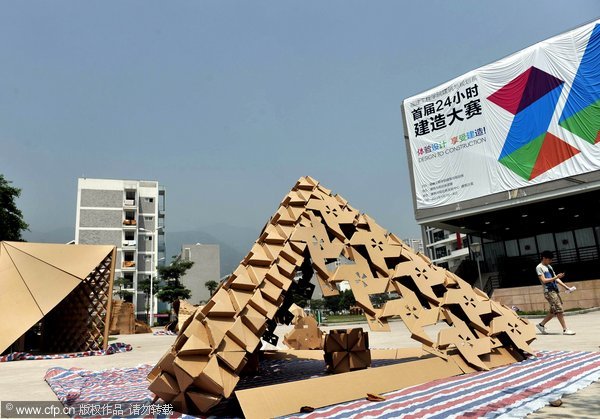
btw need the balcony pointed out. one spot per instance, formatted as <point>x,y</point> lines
<point>451,238</point>
<point>128,264</point>
<point>129,243</point>
<point>455,254</point>
<point>129,203</point>
<point>132,223</point>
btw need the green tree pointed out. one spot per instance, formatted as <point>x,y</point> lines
<point>211,286</point>
<point>340,302</point>
<point>347,300</point>
<point>121,292</point>
<point>317,304</point>
<point>11,218</point>
<point>299,300</point>
<point>333,303</point>
<point>173,289</point>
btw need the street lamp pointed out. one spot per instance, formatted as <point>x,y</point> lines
<point>476,249</point>
<point>154,249</point>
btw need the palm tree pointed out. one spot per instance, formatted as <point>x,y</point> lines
<point>212,286</point>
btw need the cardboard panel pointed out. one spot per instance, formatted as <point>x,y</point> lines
<point>286,399</point>
<point>47,285</point>
<point>78,260</point>
<point>19,309</point>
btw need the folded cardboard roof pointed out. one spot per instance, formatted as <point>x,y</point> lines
<point>311,228</point>
<point>36,277</point>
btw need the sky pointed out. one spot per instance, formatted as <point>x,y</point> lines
<point>228,103</point>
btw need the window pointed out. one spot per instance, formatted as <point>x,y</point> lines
<point>527,246</point>
<point>148,238</point>
<point>128,280</point>
<point>585,237</point>
<point>129,235</point>
<point>149,200</point>
<point>440,252</point>
<point>546,242</point>
<point>512,249</point>
<point>565,240</point>
<point>439,235</point>
<point>187,254</point>
<point>148,218</point>
<point>148,257</point>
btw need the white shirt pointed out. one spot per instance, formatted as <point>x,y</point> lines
<point>547,272</point>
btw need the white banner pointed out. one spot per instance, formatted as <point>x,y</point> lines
<point>530,118</point>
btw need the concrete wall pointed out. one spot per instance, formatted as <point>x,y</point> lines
<point>145,264</point>
<point>112,237</point>
<point>532,298</point>
<point>206,258</point>
<point>147,207</point>
<point>101,198</point>
<point>147,225</point>
<point>101,218</point>
<point>145,245</point>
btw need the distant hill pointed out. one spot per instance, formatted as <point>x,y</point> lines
<point>234,242</point>
<point>59,235</point>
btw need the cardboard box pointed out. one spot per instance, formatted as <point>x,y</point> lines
<point>346,350</point>
<point>305,335</point>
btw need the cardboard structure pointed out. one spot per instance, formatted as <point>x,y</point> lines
<point>122,319</point>
<point>185,311</point>
<point>347,350</point>
<point>65,288</point>
<point>142,327</point>
<point>306,334</point>
<point>311,228</point>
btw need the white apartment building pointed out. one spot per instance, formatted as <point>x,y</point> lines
<point>446,249</point>
<point>415,244</point>
<point>129,214</point>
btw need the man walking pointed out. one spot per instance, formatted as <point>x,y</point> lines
<point>551,281</point>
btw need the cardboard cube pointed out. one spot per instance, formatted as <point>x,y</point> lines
<point>347,350</point>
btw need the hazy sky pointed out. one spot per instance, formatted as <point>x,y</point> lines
<point>228,103</point>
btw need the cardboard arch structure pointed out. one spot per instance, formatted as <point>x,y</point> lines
<point>311,228</point>
<point>68,288</point>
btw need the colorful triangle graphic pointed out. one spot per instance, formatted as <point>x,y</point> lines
<point>524,90</point>
<point>554,151</point>
<point>522,160</point>
<point>509,97</point>
<point>585,123</point>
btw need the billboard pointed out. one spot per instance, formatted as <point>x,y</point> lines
<point>529,118</point>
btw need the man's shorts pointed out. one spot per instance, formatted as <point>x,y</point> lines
<point>555,301</point>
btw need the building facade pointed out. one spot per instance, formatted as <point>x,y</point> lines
<point>206,258</point>
<point>445,248</point>
<point>415,244</point>
<point>129,214</point>
<point>509,154</point>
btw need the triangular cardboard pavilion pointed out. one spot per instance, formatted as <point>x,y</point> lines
<point>47,283</point>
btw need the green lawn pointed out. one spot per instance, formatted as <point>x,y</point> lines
<point>542,312</point>
<point>345,319</point>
